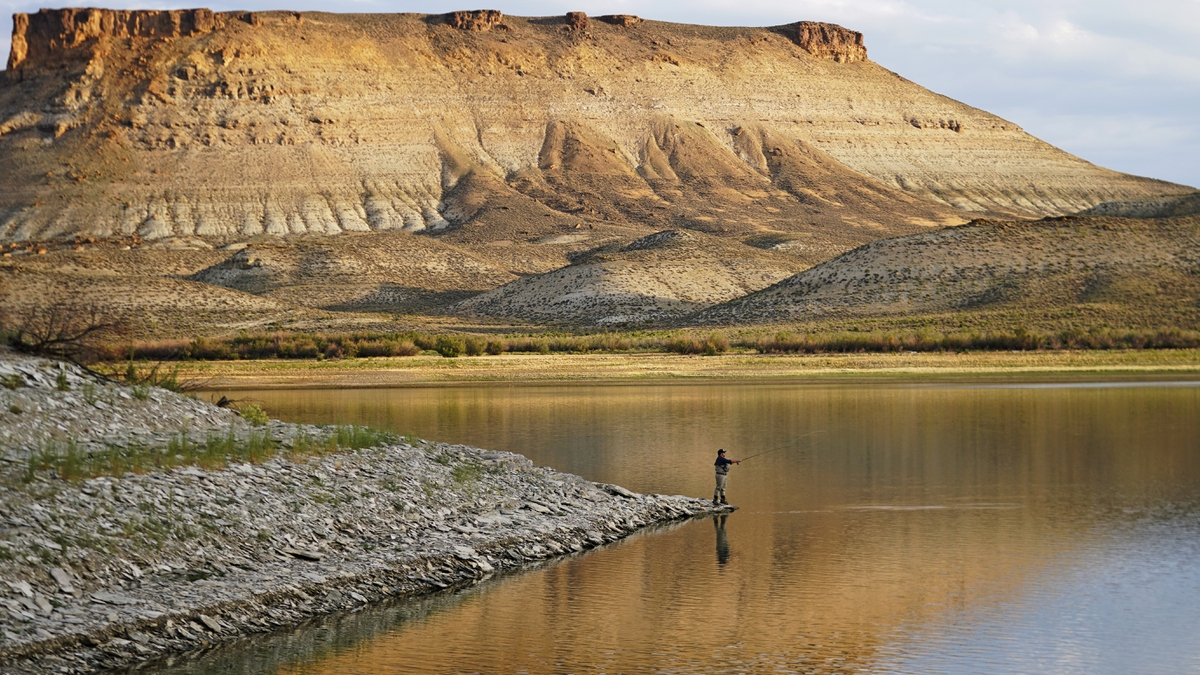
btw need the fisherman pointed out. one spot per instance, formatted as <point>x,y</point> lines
<point>722,465</point>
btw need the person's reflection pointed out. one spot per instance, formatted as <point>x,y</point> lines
<point>722,539</point>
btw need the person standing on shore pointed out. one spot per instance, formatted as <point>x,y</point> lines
<point>722,465</point>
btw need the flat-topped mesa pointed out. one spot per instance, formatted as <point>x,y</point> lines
<point>829,41</point>
<point>63,37</point>
<point>486,127</point>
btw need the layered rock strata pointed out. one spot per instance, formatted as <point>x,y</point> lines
<point>115,570</point>
<point>228,126</point>
<point>831,41</point>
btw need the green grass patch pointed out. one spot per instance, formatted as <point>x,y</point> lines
<point>69,461</point>
<point>347,437</point>
<point>467,472</point>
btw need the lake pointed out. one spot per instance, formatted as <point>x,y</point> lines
<point>887,529</point>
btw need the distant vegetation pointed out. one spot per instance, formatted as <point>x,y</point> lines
<point>318,346</point>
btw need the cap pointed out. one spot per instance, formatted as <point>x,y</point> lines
<point>721,451</point>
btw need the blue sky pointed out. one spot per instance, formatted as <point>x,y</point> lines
<point>1114,82</point>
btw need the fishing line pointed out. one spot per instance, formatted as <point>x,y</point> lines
<point>785,446</point>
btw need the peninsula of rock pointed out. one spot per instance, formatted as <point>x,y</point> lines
<point>116,569</point>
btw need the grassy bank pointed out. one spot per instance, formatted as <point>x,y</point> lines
<point>433,370</point>
<point>68,461</point>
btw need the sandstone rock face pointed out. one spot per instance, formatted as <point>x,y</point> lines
<point>477,20</point>
<point>830,41</point>
<point>577,21</point>
<point>622,20</point>
<point>228,126</point>
<point>59,36</point>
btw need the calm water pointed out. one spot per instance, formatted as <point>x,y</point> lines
<point>922,529</point>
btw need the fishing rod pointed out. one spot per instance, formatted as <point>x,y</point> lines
<point>785,446</point>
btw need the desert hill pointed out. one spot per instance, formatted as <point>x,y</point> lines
<point>391,272</point>
<point>1146,271</point>
<point>662,276</point>
<point>227,126</point>
<point>1163,207</point>
<point>143,287</point>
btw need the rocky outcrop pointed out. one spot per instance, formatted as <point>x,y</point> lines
<point>480,20</point>
<point>577,21</point>
<point>830,41</point>
<point>622,20</point>
<point>54,37</point>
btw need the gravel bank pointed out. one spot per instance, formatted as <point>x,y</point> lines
<point>116,570</point>
<point>43,401</point>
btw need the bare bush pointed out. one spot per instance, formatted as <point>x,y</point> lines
<point>64,331</point>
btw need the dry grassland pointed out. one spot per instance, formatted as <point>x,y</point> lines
<point>615,368</point>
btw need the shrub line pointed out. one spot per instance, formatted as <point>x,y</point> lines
<point>285,345</point>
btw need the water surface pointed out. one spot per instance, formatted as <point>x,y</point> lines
<point>894,529</point>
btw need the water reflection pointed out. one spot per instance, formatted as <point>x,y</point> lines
<point>955,530</point>
<point>722,539</point>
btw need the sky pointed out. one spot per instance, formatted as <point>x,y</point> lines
<point>1114,82</point>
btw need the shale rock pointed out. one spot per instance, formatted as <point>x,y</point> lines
<point>113,570</point>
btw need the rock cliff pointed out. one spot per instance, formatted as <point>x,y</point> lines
<point>831,41</point>
<point>488,127</point>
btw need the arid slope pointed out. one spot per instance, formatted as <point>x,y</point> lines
<point>661,276</point>
<point>390,272</point>
<point>1147,270</point>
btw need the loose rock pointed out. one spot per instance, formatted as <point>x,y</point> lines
<point>115,570</point>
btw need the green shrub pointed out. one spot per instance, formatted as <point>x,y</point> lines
<point>61,383</point>
<point>254,414</point>
<point>710,345</point>
<point>475,346</point>
<point>449,346</point>
<point>495,347</point>
<point>12,381</point>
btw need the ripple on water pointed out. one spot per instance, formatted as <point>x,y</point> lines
<point>932,530</point>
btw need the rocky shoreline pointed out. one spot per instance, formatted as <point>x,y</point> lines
<point>115,570</point>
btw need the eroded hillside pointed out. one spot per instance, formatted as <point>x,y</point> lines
<point>658,277</point>
<point>226,126</point>
<point>1140,273</point>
